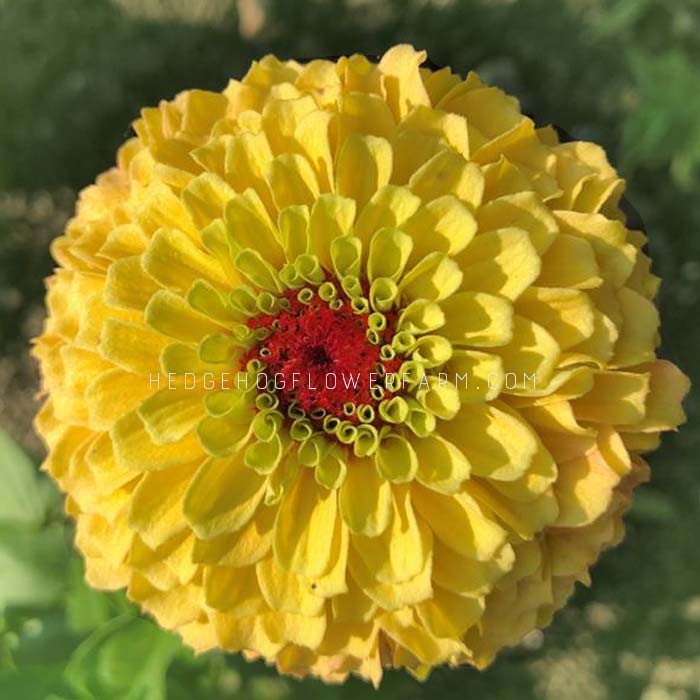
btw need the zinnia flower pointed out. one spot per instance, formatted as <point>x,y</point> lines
<point>325,219</point>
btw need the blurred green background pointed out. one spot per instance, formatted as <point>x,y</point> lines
<point>73,74</point>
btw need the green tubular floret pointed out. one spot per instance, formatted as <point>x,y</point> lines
<point>373,337</point>
<point>267,424</point>
<point>360,305</point>
<point>367,440</point>
<point>268,303</point>
<point>365,413</point>
<point>421,421</point>
<point>318,413</point>
<point>383,294</point>
<point>394,410</point>
<point>387,352</point>
<point>377,392</point>
<point>290,277</point>
<point>244,300</point>
<point>403,342</point>
<point>346,432</point>
<point>255,366</point>
<point>266,400</point>
<point>327,291</point>
<point>351,286</point>
<point>309,269</point>
<point>312,449</point>
<point>301,429</point>
<point>306,295</point>
<point>295,411</point>
<point>264,456</point>
<point>411,373</point>
<point>331,424</point>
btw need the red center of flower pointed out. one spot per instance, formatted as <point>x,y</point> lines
<point>318,357</point>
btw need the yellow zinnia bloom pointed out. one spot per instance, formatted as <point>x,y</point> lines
<point>408,229</point>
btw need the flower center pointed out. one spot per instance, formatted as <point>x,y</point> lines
<point>324,358</point>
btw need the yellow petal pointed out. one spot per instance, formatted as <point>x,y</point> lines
<point>293,224</point>
<point>467,576</point>
<point>156,506</point>
<point>389,251</point>
<point>477,375</point>
<point>522,210</point>
<point>434,278</point>
<point>314,136</point>
<point>584,489</point>
<point>242,548</point>
<point>389,207</point>
<point>394,596</point>
<point>171,315</point>
<point>205,198</point>
<point>128,285</point>
<point>615,257</point>
<point>448,614</point>
<point>477,319</point>
<point>304,527</point>
<point>174,261</point>
<point>617,398</point>
<point>497,444</point>
<point>402,79</point>
<point>441,465</point>
<point>250,226</point>
<point>222,497</point>
<point>568,315</point>
<point>530,357</point>
<point>667,388</point>
<point>135,450</point>
<point>569,262</point>
<point>160,208</point>
<point>235,590</point>
<point>170,414</point>
<point>365,499</point>
<point>286,591</point>
<point>281,119</point>
<point>292,181</point>
<point>459,523</point>
<point>113,394</point>
<point>444,224</point>
<point>400,552</point>
<point>396,459</point>
<point>448,173</point>
<point>502,262</point>
<point>638,335</point>
<point>331,217</point>
<point>366,114</point>
<point>369,155</point>
<point>422,134</point>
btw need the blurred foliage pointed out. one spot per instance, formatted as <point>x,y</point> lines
<point>74,74</point>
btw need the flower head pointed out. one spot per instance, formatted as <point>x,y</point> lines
<point>351,366</point>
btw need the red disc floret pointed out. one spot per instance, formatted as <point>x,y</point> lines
<point>317,356</point>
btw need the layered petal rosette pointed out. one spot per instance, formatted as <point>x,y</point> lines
<point>351,366</point>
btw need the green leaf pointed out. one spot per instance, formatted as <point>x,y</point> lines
<point>127,659</point>
<point>32,565</point>
<point>33,683</point>
<point>650,505</point>
<point>86,608</point>
<point>21,498</point>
